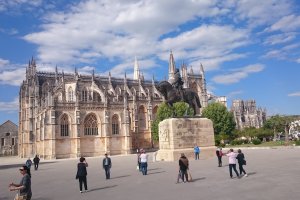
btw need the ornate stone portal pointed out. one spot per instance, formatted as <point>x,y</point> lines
<point>180,135</point>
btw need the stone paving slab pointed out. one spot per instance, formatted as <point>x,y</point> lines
<point>274,174</point>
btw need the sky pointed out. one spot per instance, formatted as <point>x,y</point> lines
<point>249,48</point>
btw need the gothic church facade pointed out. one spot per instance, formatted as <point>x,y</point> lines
<point>247,115</point>
<point>70,115</point>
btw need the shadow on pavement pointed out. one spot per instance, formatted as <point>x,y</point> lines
<point>120,176</point>
<point>18,165</point>
<point>106,187</point>
<point>153,169</point>
<point>198,179</point>
<point>156,172</point>
<point>251,173</point>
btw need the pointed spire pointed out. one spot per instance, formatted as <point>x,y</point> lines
<point>125,79</point>
<point>136,73</point>
<point>191,70</point>
<point>172,65</point>
<point>109,77</point>
<point>172,68</point>
<point>153,79</point>
<point>201,69</point>
<point>63,76</point>
<point>93,75</point>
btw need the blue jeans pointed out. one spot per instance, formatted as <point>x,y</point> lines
<point>107,171</point>
<point>144,166</point>
<point>233,166</point>
<point>196,155</point>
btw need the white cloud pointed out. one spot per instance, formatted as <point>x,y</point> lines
<point>295,94</point>
<point>123,29</point>
<point>232,95</point>
<point>286,23</point>
<point>238,74</point>
<point>298,60</point>
<point>12,77</point>
<point>10,106</point>
<point>3,62</point>
<point>9,5</point>
<point>259,12</point>
<point>280,38</point>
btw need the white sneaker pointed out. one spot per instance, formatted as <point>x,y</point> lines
<point>80,191</point>
<point>246,175</point>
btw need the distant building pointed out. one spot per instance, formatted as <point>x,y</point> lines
<point>217,99</point>
<point>70,115</point>
<point>247,115</point>
<point>9,139</point>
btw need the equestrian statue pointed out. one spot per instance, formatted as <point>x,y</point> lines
<point>175,93</point>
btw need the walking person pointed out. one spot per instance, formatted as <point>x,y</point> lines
<point>24,186</point>
<point>144,162</point>
<point>82,174</point>
<point>219,154</point>
<point>106,163</point>
<point>36,162</point>
<point>197,152</point>
<point>28,163</point>
<point>232,162</point>
<point>241,160</point>
<point>183,167</point>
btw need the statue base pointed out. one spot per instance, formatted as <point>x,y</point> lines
<point>180,135</point>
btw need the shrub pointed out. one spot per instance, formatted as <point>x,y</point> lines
<point>236,142</point>
<point>256,141</point>
<point>297,143</point>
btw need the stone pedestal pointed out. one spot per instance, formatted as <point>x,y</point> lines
<point>180,135</point>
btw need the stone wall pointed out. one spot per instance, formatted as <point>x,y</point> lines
<point>180,135</point>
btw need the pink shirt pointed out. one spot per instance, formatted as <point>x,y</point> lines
<point>232,157</point>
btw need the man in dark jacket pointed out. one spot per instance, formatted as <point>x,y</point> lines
<point>183,167</point>
<point>106,163</point>
<point>36,162</point>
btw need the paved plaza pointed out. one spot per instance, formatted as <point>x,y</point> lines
<point>273,174</point>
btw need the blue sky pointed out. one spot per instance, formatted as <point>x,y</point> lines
<point>249,48</point>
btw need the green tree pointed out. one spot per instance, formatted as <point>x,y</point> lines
<point>164,111</point>
<point>279,124</point>
<point>223,120</point>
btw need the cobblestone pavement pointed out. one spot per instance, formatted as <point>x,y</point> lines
<point>274,174</point>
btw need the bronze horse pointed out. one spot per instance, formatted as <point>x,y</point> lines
<point>172,95</point>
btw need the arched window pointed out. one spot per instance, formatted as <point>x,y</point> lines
<point>70,94</point>
<point>64,125</point>
<point>115,125</point>
<point>90,125</point>
<point>142,118</point>
<point>84,94</point>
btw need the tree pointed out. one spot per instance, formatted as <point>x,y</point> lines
<point>164,111</point>
<point>279,124</point>
<point>223,120</point>
<point>275,123</point>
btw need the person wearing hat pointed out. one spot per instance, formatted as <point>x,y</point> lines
<point>106,163</point>
<point>24,187</point>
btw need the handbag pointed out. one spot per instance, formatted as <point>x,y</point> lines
<point>244,162</point>
<point>20,197</point>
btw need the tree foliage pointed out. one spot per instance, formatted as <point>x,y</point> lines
<point>164,111</point>
<point>223,120</point>
<point>279,123</point>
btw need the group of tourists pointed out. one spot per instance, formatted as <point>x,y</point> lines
<point>24,187</point>
<point>233,157</point>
